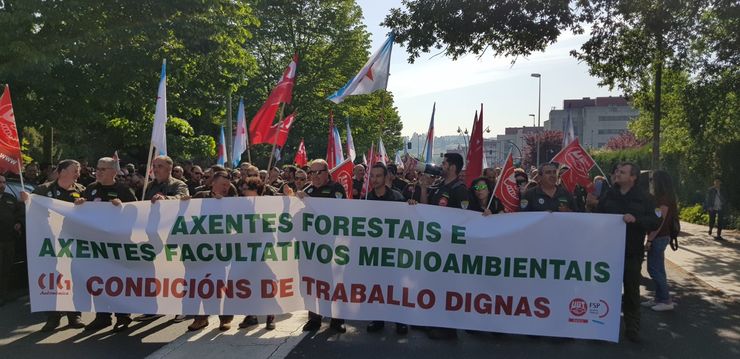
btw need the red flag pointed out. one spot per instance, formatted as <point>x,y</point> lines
<point>579,163</point>
<point>331,156</point>
<point>506,190</point>
<point>10,148</point>
<point>474,160</point>
<point>278,133</point>
<point>282,93</point>
<point>301,157</point>
<point>342,174</point>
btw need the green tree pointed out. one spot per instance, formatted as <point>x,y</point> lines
<point>86,67</point>
<point>631,41</point>
<point>332,45</point>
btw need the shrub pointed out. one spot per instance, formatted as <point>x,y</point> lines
<point>694,214</point>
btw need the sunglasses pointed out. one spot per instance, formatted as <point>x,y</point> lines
<point>480,187</point>
<point>318,172</point>
<point>300,178</point>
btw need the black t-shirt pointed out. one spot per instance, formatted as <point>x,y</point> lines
<point>52,190</point>
<point>11,212</point>
<point>96,192</point>
<point>357,187</point>
<point>330,190</point>
<point>399,184</point>
<point>536,200</point>
<point>390,195</point>
<point>209,194</point>
<point>449,194</point>
<point>412,191</point>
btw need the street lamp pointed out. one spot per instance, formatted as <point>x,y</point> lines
<point>539,102</point>
<point>465,137</point>
<point>533,120</point>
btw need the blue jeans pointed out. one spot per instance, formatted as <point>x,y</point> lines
<point>656,268</point>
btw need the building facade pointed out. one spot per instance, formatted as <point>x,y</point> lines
<point>595,121</point>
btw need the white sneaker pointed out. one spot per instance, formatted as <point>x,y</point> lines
<point>662,307</point>
<point>648,303</point>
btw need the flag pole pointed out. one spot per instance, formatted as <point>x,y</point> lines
<point>148,164</point>
<point>20,173</point>
<point>498,182</point>
<point>370,166</point>
<point>274,143</point>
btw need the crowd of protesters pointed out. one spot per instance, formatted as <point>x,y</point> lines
<point>647,216</point>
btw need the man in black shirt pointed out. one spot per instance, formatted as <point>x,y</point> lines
<point>64,188</point>
<point>322,186</point>
<point>548,196</point>
<point>196,175</point>
<point>106,189</point>
<point>449,191</point>
<point>638,210</point>
<point>11,219</point>
<point>220,188</point>
<point>382,192</point>
<point>397,183</point>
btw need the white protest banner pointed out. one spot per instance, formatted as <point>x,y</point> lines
<point>554,274</point>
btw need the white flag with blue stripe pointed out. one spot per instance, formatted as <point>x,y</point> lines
<point>159,132</point>
<point>372,77</point>
<point>240,139</point>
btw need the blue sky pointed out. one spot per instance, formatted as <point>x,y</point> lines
<point>508,93</point>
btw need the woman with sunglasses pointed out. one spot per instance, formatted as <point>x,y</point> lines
<point>220,188</point>
<point>253,186</point>
<point>480,194</point>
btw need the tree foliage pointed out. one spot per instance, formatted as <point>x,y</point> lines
<point>332,45</point>
<point>88,67</point>
<point>508,27</point>
<point>551,142</point>
<point>623,141</point>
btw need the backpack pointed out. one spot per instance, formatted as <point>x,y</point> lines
<point>675,229</point>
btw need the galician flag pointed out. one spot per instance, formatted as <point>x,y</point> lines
<point>240,139</point>
<point>221,148</point>
<point>338,152</point>
<point>159,133</point>
<point>372,77</point>
<point>350,144</point>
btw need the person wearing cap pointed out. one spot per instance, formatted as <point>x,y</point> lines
<point>322,186</point>
<point>220,188</point>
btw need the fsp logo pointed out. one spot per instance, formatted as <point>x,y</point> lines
<point>54,281</point>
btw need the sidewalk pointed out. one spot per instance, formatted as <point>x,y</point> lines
<point>716,263</point>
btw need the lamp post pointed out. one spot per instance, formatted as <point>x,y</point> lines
<point>539,102</point>
<point>465,137</point>
<point>521,159</point>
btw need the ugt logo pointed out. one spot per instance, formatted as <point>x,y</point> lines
<point>51,283</point>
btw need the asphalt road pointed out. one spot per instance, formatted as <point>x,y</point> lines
<point>706,324</point>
